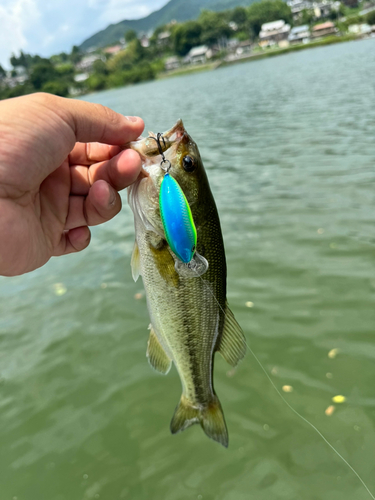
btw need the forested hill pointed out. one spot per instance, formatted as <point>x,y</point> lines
<point>181,10</point>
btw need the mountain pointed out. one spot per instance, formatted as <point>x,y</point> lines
<point>181,10</point>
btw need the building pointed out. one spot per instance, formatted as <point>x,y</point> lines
<point>299,34</point>
<point>172,63</point>
<point>298,6</point>
<point>197,55</point>
<point>115,49</point>
<point>274,32</point>
<point>323,29</point>
<point>87,62</point>
<point>359,29</point>
<point>163,38</point>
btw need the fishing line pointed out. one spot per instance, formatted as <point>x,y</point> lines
<point>182,264</point>
<point>294,410</point>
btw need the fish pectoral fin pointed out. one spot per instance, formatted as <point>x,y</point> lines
<point>135,262</point>
<point>233,343</point>
<point>156,354</point>
<point>211,419</point>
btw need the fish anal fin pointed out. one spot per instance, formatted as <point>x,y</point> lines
<point>135,262</point>
<point>232,343</point>
<point>156,355</point>
<point>211,418</point>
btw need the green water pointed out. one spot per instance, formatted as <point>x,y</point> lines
<point>289,146</point>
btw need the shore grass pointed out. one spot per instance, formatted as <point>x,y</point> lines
<point>189,69</point>
<point>329,40</point>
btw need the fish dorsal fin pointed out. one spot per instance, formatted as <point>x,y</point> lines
<point>233,343</point>
<point>135,262</point>
<point>156,355</point>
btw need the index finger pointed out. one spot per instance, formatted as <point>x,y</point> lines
<point>87,153</point>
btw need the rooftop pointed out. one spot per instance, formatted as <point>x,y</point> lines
<point>274,25</point>
<point>323,26</point>
<point>299,29</point>
<point>198,51</point>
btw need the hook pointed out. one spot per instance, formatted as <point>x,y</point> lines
<point>164,161</point>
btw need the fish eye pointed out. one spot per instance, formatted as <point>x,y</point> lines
<point>188,163</point>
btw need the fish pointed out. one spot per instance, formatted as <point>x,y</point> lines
<point>190,319</point>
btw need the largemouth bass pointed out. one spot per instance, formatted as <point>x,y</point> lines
<point>190,317</point>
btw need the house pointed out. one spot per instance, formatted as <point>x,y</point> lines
<point>172,63</point>
<point>298,6</point>
<point>299,34</point>
<point>113,50</point>
<point>197,55</point>
<point>323,29</point>
<point>87,62</point>
<point>273,32</point>
<point>359,29</point>
<point>244,47</point>
<point>163,38</point>
<point>145,41</point>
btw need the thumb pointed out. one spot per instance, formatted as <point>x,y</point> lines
<point>96,123</point>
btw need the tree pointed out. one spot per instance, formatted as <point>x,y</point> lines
<point>370,18</point>
<point>42,73</point>
<point>239,16</point>
<point>214,27</point>
<point>99,67</point>
<point>75,55</point>
<point>130,35</point>
<point>307,16</point>
<point>2,72</point>
<point>185,36</point>
<point>266,11</point>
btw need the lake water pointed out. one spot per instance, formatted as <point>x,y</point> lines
<point>289,147</point>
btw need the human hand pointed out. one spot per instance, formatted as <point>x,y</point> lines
<point>55,181</point>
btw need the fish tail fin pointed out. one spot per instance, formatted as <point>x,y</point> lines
<point>211,419</point>
<point>213,422</point>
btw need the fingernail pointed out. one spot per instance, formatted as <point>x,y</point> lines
<point>132,118</point>
<point>112,197</point>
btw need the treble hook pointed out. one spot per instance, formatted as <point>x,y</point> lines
<point>164,164</point>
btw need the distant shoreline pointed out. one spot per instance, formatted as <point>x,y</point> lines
<point>260,55</point>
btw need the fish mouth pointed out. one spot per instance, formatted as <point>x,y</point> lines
<point>149,148</point>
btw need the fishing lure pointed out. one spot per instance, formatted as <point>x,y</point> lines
<point>178,223</point>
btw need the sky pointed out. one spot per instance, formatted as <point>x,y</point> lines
<point>47,27</point>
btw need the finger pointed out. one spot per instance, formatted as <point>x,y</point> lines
<point>101,204</point>
<point>87,153</point>
<point>120,171</point>
<point>96,123</point>
<point>74,240</point>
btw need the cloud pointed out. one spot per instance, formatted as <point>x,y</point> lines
<point>47,28</point>
<point>15,15</point>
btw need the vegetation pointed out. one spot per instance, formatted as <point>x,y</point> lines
<point>74,73</point>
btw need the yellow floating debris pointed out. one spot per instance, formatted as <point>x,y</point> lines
<point>59,289</point>
<point>103,285</point>
<point>287,388</point>
<point>274,370</point>
<point>339,399</point>
<point>329,411</point>
<point>333,353</point>
<point>249,304</point>
<point>329,375</point>
<point>138,296</point>
<point>320,230</point>
<point>266,427</point>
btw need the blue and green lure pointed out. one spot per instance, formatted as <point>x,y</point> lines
<point>179,228</point>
